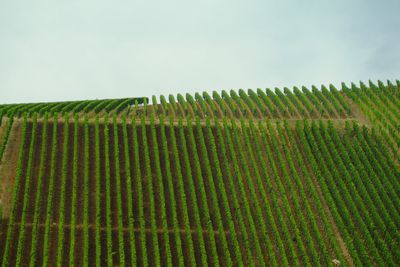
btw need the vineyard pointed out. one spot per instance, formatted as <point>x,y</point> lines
<point>292,177</point>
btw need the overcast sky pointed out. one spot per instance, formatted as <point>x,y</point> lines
<point>51,51</point>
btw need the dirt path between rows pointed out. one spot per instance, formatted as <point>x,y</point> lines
<point>335,229</point>
<point>358,114</point>
<point>8,168</point>
<point>125,229</point>
<point>3,128</point>
<point>339,123</point>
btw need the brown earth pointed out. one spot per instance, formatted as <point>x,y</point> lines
<point>8,167</point>
<point>3,127</point>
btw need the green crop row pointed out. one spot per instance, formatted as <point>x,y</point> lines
<point>108,191</point>
<point>150,195</point>
<point>86,158</point>
<point>160,185</point>
<point>61,211</point>
<point>139,188</point>
<point>128,185</point>
<point>181,193</point>
<point>119,194</point>
<point>38,197</point>
<point>49,200</point>
<point>108,105</point>
<point>98,190</point>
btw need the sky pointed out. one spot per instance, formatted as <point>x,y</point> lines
<point>94,49</point>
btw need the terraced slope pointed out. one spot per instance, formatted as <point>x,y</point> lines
<point>258,178</point>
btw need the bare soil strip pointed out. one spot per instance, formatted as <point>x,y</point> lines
<point>337,122</point>
<point>8,168</point>
<point>3,128</point>
<point>342,244</point>
<point>357,112</point>
<point>125,229</point>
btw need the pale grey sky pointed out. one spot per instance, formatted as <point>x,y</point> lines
<point>70,50</point>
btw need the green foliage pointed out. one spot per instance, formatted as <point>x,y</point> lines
<point>86,158</point>
<point>139,187</point>
<point>199,174</point>
<point>193,193</point>
<point>129,193</point>
<point>234,179</point>
<point>150,194</point>
<point>119,197</point>
<point>74,196</point>
<point>38,197</point>
<point>156,160</point>
<point>49,208</point>
<point>98,190</point>
<point>108,191</point>
<point>181,192</point>
<point>61,211</point>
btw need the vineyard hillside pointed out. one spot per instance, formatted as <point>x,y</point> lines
<point>260,177</point>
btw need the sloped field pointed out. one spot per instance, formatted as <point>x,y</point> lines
<point>240,179</point>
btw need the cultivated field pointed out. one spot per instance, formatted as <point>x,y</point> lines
<point>241,178</point>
